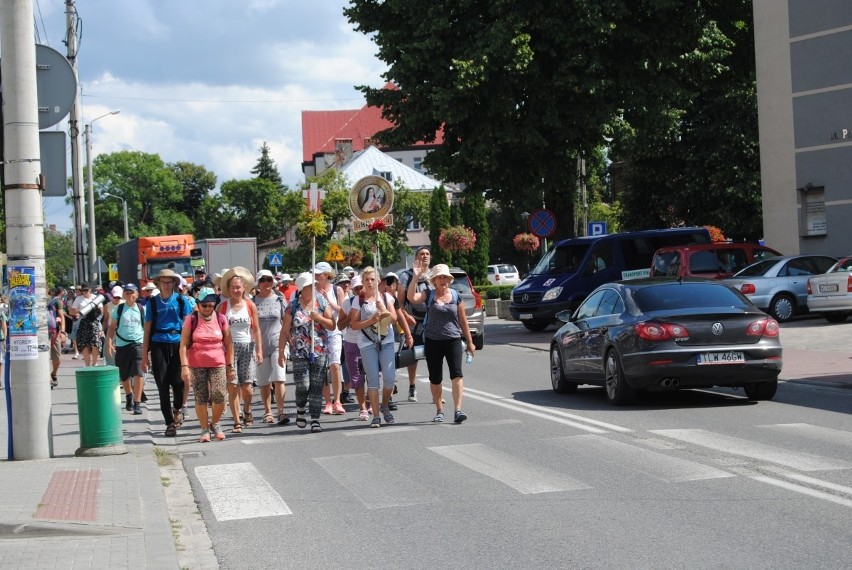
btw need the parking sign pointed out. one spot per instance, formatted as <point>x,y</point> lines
<point>596,229</point>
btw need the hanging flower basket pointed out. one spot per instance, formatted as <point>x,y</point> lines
<point>716,234</point>
<point>526,242</point>
<point>457,238</point>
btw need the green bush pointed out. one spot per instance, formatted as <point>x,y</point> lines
<point>492,292</point>
<point>506,292</point>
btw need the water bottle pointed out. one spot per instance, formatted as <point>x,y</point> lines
<point>469,358</point>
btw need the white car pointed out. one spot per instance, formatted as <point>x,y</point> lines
<point>830,294</point>
<point>503,274</point>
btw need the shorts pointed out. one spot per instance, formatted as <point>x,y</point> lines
<point>436,351</point>
<point>333,348</point>
<point>128,358</point>
<point>56,347</point>
<point>245,363</point>
<point>268,370</point>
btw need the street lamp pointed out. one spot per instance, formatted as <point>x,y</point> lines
<point>90,194</point>
<point>124,211</point>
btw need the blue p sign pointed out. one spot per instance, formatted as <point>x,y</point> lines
<point>597,229</point>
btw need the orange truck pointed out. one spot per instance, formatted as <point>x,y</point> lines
<point>141,259</point>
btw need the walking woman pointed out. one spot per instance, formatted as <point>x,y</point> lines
<point>352,355</point>
<point>206,359</point>
<point>446,326</point>
<point>373,314</point>
<point>306,312</point>
<point>241,313</point>
<point>89,330</point>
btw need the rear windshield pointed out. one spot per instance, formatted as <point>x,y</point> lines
<point>506,269</point>
<point>758,268</point>
<point>564,259</point>
<point>461,284</point>
<point>686,296</point>
<point>666,264</point>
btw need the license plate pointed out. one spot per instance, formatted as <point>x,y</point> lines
<point>829,288</point>
<point>526,316</point>
<point>721,358</point>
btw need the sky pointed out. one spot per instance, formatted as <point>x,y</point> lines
<point>208,81</point>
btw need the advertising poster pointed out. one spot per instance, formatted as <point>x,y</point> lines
<point>23,323</point>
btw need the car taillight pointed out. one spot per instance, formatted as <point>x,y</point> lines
<point>810,291</point>
<point>748,289</point>
<point>763,327</point>
<point>849,284</point>
<point>497,277</point>
<point>660,331</point>
<point>478,300</point>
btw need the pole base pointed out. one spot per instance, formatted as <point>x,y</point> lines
<point>103,451</point>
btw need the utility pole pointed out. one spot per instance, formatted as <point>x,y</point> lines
<point>76,160</point>
<point>30,423</point>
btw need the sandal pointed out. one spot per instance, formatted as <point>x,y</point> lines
<point>439,417</point>
<point>249,419</point>
<point>268,419</point>
<point>171,431</point>
<point>53,381</point>
<point>178,418</point>
<point>315,426</point>
<point>283,420</point>
<point>238,428</point>
<point>301,422</point>
<point>377,422</point>
<point>388,416</point>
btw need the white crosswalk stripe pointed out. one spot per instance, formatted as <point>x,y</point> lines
<point>238,491</point>
<point>524,477</point>
<point>824,434</point>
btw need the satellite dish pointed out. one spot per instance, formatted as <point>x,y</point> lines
<point>57,86</point>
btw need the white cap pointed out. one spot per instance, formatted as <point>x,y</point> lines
<point>285,277</point>
<point>150,286</point>
<point>117,292</point>
<point>303,279</point>
<point>264,273</point>
<point>323,267</point>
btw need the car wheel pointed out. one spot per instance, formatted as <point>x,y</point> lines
<point>557,375</point>
<point>618,392</point>
<point>536,326</point>
<point>783,307</point>
<point>836,317</point>
<point>761,390</point>
<point>479,341</point>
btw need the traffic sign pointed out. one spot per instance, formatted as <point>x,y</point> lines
<point>113,272</point>
<point>275,260</point>
<point>334,253</point>
<point>596,229</point>
<point>542,223</point>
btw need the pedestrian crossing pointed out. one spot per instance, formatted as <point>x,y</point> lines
<point>238,491</point>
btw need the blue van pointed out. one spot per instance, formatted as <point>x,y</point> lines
<point>575,267</point>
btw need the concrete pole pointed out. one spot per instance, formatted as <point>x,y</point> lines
<point>76,166</point>
<point>29,385</point>
<point>90,197</point>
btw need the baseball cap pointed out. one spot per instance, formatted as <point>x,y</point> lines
<point>355,282</point>
<point>391,275</point>
<point>264,273</point>
<point>131,287</point>
<point>323,267</point>
<point>116,291</point>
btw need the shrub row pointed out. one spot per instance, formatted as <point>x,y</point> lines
<point>495,291</point>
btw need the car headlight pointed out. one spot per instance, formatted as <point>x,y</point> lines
<point>552,294</point>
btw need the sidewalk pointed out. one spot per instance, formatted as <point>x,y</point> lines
<point>91,512</point>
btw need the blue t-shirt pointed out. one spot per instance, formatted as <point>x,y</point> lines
<point>169,318</point>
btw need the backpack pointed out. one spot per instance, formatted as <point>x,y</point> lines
<point>418,314</point>
<point>430,300</point>
<point>222,309</point>
<point>379,338</point>
<point>193,324</point>
<point>181,310</point>
<point>120,310</point>
<point>294,304</point>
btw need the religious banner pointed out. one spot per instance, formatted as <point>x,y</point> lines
<point>370,199</point>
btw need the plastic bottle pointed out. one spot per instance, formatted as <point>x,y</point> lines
<point>469,358</point>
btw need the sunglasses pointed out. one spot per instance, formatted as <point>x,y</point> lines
<point>265,280</point>
<point>207,305</point>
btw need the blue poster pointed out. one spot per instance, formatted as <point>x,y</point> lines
<point>23,322</point>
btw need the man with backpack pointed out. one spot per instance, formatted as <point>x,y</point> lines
<point>414,313</point>
<point>124,343</point>
<point>164,315</point>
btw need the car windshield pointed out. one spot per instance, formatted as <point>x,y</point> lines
<point>565,259</point>
<point>758,268</point>
<point>461,284</point>
<point>179,266</point>
<point>686,296</point>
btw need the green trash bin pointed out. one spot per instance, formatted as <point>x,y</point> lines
<point>99,411</point>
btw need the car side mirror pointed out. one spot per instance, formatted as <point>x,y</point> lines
<point>564,316</point>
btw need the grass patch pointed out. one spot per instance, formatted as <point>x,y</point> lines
<point>165,481</point>
<point>164,458</point>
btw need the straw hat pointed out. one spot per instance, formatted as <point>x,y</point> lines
<point>167,274</point>
<point>238,271</point>
<point>440,269</point>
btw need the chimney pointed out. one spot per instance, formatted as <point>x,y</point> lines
<point>342,151</point>
<point>368,142</point>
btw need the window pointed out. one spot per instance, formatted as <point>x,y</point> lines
<point>611,304</point>
<point>418,164</point>
<point>412,225</point>
<point>677,296</point>
<point>590,305</point>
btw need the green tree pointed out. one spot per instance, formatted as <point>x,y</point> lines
<point>265,167</point>
<point>439,218</point>
<point>253,208</point>
<point>59,258</point>
<point>475,217</point>
<point>197,183</point>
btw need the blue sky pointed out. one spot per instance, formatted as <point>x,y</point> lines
<point>207,81</point>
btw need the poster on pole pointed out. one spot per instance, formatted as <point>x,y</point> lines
<point>23,322</point>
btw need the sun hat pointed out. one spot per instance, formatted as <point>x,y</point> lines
<point>355,282</point>
<point>391,275</point>
<point>440,269</point>
<point>217,278</point>
<point>150,286</point>
<point>286,277</point>
<point>116,291</point>
<point>238,271</point>
<point>323,267</point>
<point>131,287</point>
<point>303,279</point>
<point>342,278</point>
<point>166,274</point>
<point>264,273</point>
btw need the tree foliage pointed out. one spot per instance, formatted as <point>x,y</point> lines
<point>197,184</point>
<point>59,258</point>
<point>266,168</point>
<point>475,261</point>
<point>439,218</point>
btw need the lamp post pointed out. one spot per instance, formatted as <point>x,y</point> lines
<point>90,194</point>
<point>124,211</point>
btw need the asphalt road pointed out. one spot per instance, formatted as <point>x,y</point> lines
<point>690,479</point>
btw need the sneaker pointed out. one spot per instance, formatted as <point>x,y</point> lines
<point>76,356</point>
<point>218,433</point>
<point>363,415</point>
<point>137,409</point>
<point>460,417</point>
<point>205,436</point>
<point>388,417</point>
<point>328,409</point>
<point>439,417</point>
<point>395,389</point>
<point>338,408</point>
<point>347,398</point>
<point>377,422</point>
<point>392,406</point>
<point>412,393</point>
<point>128,402</point>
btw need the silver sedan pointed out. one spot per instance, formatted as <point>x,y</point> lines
<point>779,285</point>
<point>831,294</point>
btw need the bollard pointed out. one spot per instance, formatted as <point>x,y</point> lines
<point>99,412</point>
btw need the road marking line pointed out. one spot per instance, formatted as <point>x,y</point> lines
<point>655,464</point>
<point>375,483</point>
<point>238,491</point>
<point>367,431</point>
<point>300,437</point>
<point>803,490</point>
<point>828,435</point>
<point>524,477</point>
<point>490,423</point>
<point>754,450</point>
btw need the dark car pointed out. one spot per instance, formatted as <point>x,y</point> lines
<point>666,334</point>
<point>473,305</point>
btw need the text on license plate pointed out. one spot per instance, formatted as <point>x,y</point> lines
<point>721,358</point>
<point>829,288</point>
<point>526,316</point>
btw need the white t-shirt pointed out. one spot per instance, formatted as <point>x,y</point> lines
<point>240,323</point>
